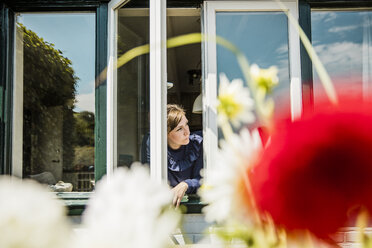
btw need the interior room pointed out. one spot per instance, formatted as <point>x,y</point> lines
<point>184,65</point>
<point>183,73</point>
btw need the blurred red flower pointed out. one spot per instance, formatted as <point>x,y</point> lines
<point>316,169</point>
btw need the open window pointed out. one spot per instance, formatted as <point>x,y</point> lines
<point>128,103</point>
<point>132,124</point>
<point>140,90</point>
<point>192,69</point>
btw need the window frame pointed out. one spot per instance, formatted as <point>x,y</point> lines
<point>158,89</point>
<point>6,60</point>
<point>158,83</point>
<point>7,22</point>
<point>210,78</point>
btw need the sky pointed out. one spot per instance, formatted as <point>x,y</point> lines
<point>74,35</point>
<point>263,38</point>
<point>343,40</point>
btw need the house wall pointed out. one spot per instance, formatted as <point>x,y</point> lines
<point>194,230</point>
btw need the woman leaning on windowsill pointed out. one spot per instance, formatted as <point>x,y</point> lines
<point>185,154</point>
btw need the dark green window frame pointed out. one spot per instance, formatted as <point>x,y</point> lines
<point>75,202</point>
<point>305,7</point>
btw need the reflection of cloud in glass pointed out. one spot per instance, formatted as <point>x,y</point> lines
<point>342,40</point>
<point>282,50</point>
<point>283,69</point>
<point>281,53</point>
<point>85,102</point>
<point>343,28</point>
<point>323,16</point>
<point>342,57</point>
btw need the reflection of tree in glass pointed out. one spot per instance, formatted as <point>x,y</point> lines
<point>84,139</point>
<point>49,95</point>
<point>48,76</point>
<point>84,128</point>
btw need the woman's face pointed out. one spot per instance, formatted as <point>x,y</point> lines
<point>179,135</point>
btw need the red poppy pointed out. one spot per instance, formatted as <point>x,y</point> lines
<point>316,169</point>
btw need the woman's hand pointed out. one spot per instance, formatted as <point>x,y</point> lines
<point>178,193</point>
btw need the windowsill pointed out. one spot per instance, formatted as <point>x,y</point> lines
<point>193,204</point>
<point>77,201</point>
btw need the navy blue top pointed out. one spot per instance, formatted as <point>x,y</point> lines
<point>185,163</point>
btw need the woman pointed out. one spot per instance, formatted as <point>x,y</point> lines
<point>185,154</point>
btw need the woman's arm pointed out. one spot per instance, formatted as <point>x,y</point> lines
<point>189,186</point>
<point>178,193</point>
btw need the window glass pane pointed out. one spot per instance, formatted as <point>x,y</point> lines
<point>263,38</point>
<point>132,88</point>
<point>54,99</point>
<point>343,40</point>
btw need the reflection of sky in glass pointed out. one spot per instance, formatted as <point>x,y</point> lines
<point>343,40</point>
<point>263,38</point>
<point>74,35</point>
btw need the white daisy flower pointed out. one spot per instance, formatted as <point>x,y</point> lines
<point>265,79</point>
<point>234,102</point>
<point>31,216</point>
<point>222,188</point>
<point>131,210</point>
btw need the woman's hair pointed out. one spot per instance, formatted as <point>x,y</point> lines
<point>174,116</point>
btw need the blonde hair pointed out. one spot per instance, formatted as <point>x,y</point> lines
<point>174,116</point>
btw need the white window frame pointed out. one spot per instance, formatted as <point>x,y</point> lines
<point>158,89</point>
<point>17,125</point>
<point>210,63</point>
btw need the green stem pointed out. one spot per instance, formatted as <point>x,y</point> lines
<point>192,38</point>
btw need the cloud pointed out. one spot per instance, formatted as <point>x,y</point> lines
<point>283,72</point>
<point>282,50</point>
<point>342,28</point>
<point>85,102</point>
<point>341,58</point>
<point>322,16</point>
